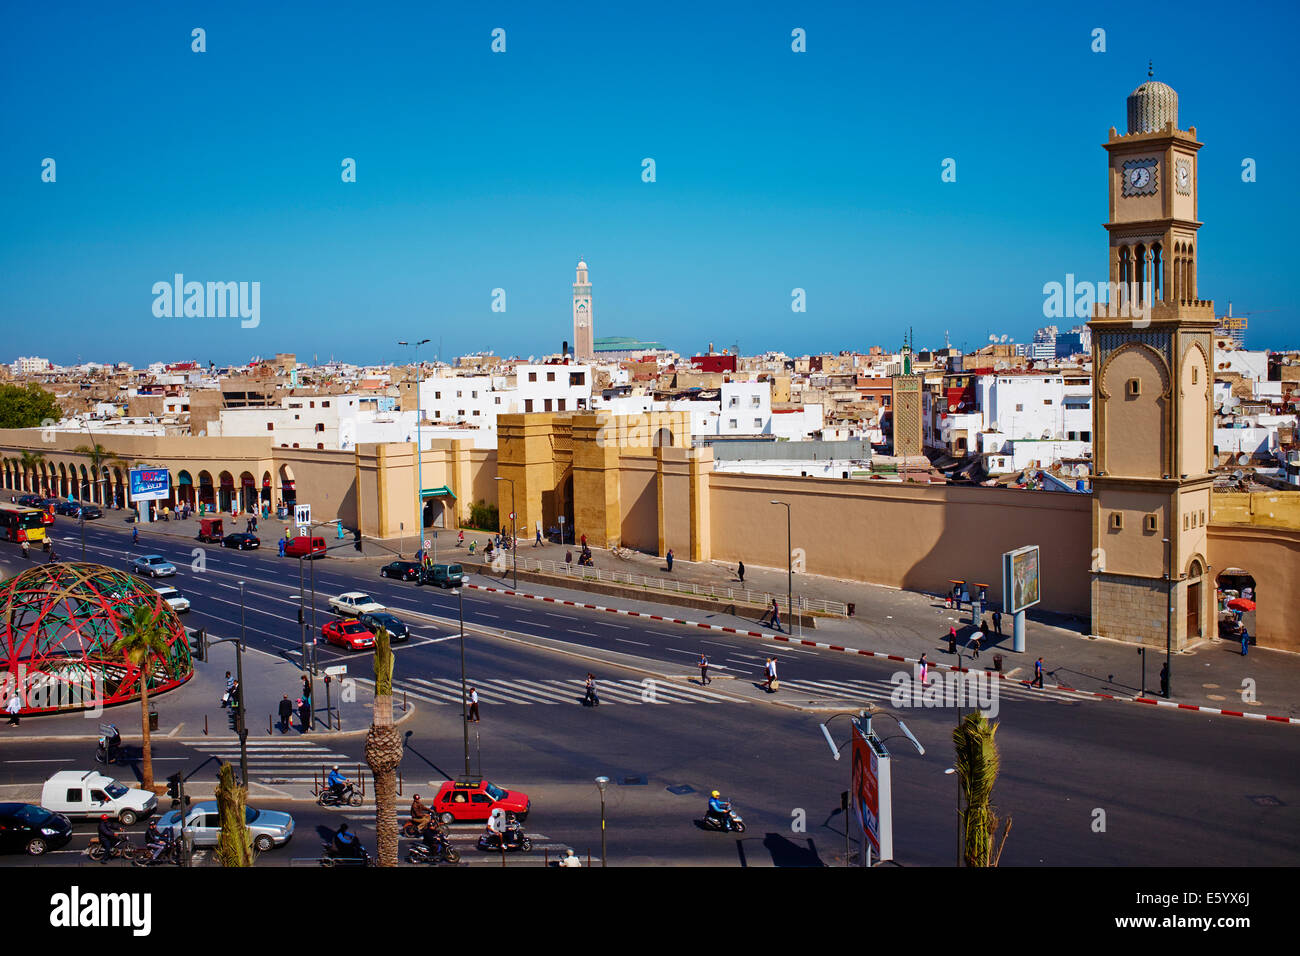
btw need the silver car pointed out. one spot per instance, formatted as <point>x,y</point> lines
<point>268,828</point>
<point>154,565</point>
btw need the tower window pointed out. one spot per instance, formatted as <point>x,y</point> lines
<point>1196,374</point>
<point>1134,387</point>
<point>1151,523</point>
<point>1116,521</point>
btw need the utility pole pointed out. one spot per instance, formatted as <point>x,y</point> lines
<point>464,693</point>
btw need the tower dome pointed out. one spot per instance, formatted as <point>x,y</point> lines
<point>1151,106</point>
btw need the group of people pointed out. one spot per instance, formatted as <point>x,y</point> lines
<point>231,697</point>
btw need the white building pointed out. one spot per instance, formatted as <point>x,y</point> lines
<point>28,365</point>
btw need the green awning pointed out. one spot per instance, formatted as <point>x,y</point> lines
<point>440,492</point>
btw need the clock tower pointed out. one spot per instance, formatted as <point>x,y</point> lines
<point>584,346</point>
<point>1153,413</point>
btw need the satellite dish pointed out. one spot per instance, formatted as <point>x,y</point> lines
<point>993,337</point>
<point>1080,471</point>
<point>1243,459</point>
<point>1004,338</point>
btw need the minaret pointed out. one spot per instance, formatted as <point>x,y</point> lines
<point>584,346</point>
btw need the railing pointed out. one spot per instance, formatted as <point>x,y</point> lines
<point>742,595</point>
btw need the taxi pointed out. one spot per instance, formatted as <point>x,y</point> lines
<point>472,799</point>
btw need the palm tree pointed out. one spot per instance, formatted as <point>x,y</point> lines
<point>30,459</point>
<point>977,771</point>
<point>234,843</point>
<point>143,644</point>
<point>97,454</point>
<point>384,752</point>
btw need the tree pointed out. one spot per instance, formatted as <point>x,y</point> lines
<point>143,644</point>
<point>97,454</point>
<point>234,843</point>
<point>384,752</point>
<point>27,406</point>
<point>977,771</point>
<point>30,459</point>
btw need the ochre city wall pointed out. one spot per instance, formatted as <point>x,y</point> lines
<point>1272,557</point>
<point>909,536</point>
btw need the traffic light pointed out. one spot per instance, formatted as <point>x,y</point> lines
<point>174,788</point>
<point>199,649</point>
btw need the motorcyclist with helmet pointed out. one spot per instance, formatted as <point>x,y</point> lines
<point>337,783</point>
<point>109,835</point>
<point>719,810</point>
<point>346,844</point>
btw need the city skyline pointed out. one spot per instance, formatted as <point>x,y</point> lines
<point>818,171</point>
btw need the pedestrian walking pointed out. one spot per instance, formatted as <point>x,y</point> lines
<point>1245,640</point>
<point>584,542</point>
<point>27,554</point>
<point>952,640</point>
<point>304,714</point>
<point>740,571</point>
<point>997,622</point>
<point>12,706</point>
<point>975,643</point>
<point>772,684</point>
<point>1038,673</point>
<point>776,615</point>
<point>473,705</point>
<point>135,536</point>
<point>282,543</point>
<point>1164,680</point>
<point>230,689</point>
<point>670,560</point>
<point>254,521</point>
<point>538,542</point>
<point>286,713</point>
<point>923,670</point>
<point>460,538</point>
<point>704,669</point>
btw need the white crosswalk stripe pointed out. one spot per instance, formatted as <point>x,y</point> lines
<point>883,690</point>
<point>444,691</point>
<point>292,761</point>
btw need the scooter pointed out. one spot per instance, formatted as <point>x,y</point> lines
<point>443,853</point>
<point>332,857</point>
<point>351,797</point>
<point>515,839</point>
<point>731,821</point>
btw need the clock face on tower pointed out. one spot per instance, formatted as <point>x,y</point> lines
<point>1184,176</point>
<point>1141,177</point>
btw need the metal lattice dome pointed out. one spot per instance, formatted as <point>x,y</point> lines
<point>59,620</point>
<point>1151,106</point>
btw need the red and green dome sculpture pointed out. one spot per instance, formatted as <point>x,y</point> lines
<point>57,623</point>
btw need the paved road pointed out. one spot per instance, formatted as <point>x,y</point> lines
<point>1174,788</point>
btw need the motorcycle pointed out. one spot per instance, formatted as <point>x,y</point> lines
<point>332,857</point>
<point>423,853</point>
<point>108,749</point>
<point>515,839</point>
<point>351,797</point>
<point>731,821</point>
<point>171,853</point>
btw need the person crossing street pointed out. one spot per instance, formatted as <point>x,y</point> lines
<point>704,669</point>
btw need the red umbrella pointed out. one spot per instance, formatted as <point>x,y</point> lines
<point>1241,604</point>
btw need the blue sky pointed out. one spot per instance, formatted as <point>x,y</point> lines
<point>477,171</point>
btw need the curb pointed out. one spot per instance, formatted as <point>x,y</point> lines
<point>877,654</point>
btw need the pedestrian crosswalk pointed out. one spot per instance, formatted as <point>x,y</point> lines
<point>611,692</point>
<point>298,760</point>
<point>882,690</point>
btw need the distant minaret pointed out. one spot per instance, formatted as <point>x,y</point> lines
<point>584,348</point>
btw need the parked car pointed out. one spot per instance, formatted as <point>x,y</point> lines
<point>241,540</point>
<point>153,565</point>
<point>396,628</point>
<point>444,575</point>
<point>355,602</point>
<point>349,633</point>
<point>211,530</point>
<point>475,799</point>
<point>89,511</point>
<point>32,501</point>
<point>32,830</point>
<point>404,570</point>
<point>305,547</point>
<point>66,507</point>
<point>89,793</point>
<point>175,600</point>
<point>267,828</point>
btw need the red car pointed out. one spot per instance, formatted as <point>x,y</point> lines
<point>349,633</point>
<point>470,800</point>
<point>304,546</point>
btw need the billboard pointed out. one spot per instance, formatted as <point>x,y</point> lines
<point>871,798</point>
<point>150,484</point>
<point>1021,579</point>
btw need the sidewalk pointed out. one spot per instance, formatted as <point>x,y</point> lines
<point>193,712</point>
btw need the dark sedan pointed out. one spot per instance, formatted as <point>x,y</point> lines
<point>32,501</point>
<point>241,540</point>
<point>404,570</point>
<point>397,629</point>
<point>66,507</point>
<point>32,830</point>
<point>89,511</point>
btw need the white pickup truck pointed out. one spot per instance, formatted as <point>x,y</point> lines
<point>89,793</point>
<point>355,602</point>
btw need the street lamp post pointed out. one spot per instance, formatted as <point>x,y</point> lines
<point>464,694</point>
<point>514,530</point>
<point>602,782</point>
<point>419,444</point>
<point>1168,682</point>
<point>789,565</point>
